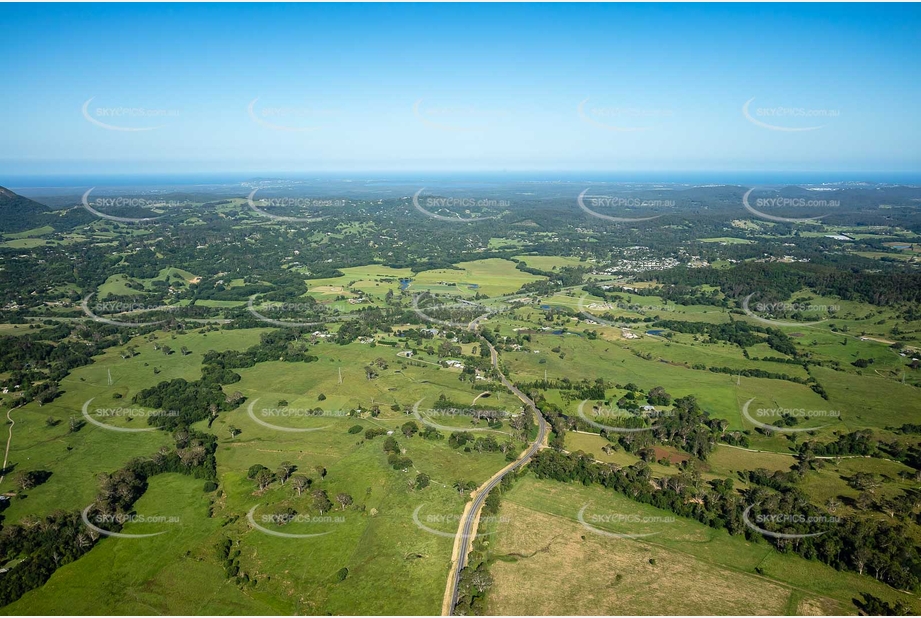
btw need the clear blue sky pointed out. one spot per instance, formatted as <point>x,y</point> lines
<point>459,87</point>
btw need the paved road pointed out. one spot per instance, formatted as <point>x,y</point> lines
<point>467,528</point>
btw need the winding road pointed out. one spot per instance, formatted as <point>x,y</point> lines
<point>9,441</point>
<point>466,531</point>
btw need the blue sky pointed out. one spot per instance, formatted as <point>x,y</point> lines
<point>302,88</point>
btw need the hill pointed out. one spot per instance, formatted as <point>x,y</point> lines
<point>18,213</point>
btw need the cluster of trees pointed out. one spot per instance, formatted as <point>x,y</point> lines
<point>582,389</point>
<point>467,441</point>
<point>776,282</point>
<point>285,344</point>
<point>739,333</point>
<point>37,361</point>
<point>678,294</point>
<point>687,427</point>
<point>183,402</point>
<point>860,442</point>
<point>395,456</point>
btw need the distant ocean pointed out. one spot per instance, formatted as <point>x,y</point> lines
<point>59,184</point>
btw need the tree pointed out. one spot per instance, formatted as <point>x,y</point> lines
<point>285,469</point>
<point>409,428</point>
<point>464,487</point>
<point>658,397</point>
<point>422,480</point>
<point>234,432</point>
<point>321,501</point>
<point>264,478</point>
<point>391,445</point>
<point>300,483</point>
<point>25,481</point>
<point>321,471</point>
<point>343,499</point>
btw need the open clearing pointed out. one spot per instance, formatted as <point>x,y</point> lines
<point>696,570</point>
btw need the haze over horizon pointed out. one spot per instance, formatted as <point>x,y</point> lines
<point>181,89</point>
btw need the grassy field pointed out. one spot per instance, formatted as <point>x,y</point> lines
<point>683,568</point>
<point>395,566</point>
<point>863,401</point>
<point>727,240</point>
<point>551,262</point>
<point>75,459</point>
<point>165,574</point>
<point>492,277</point>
